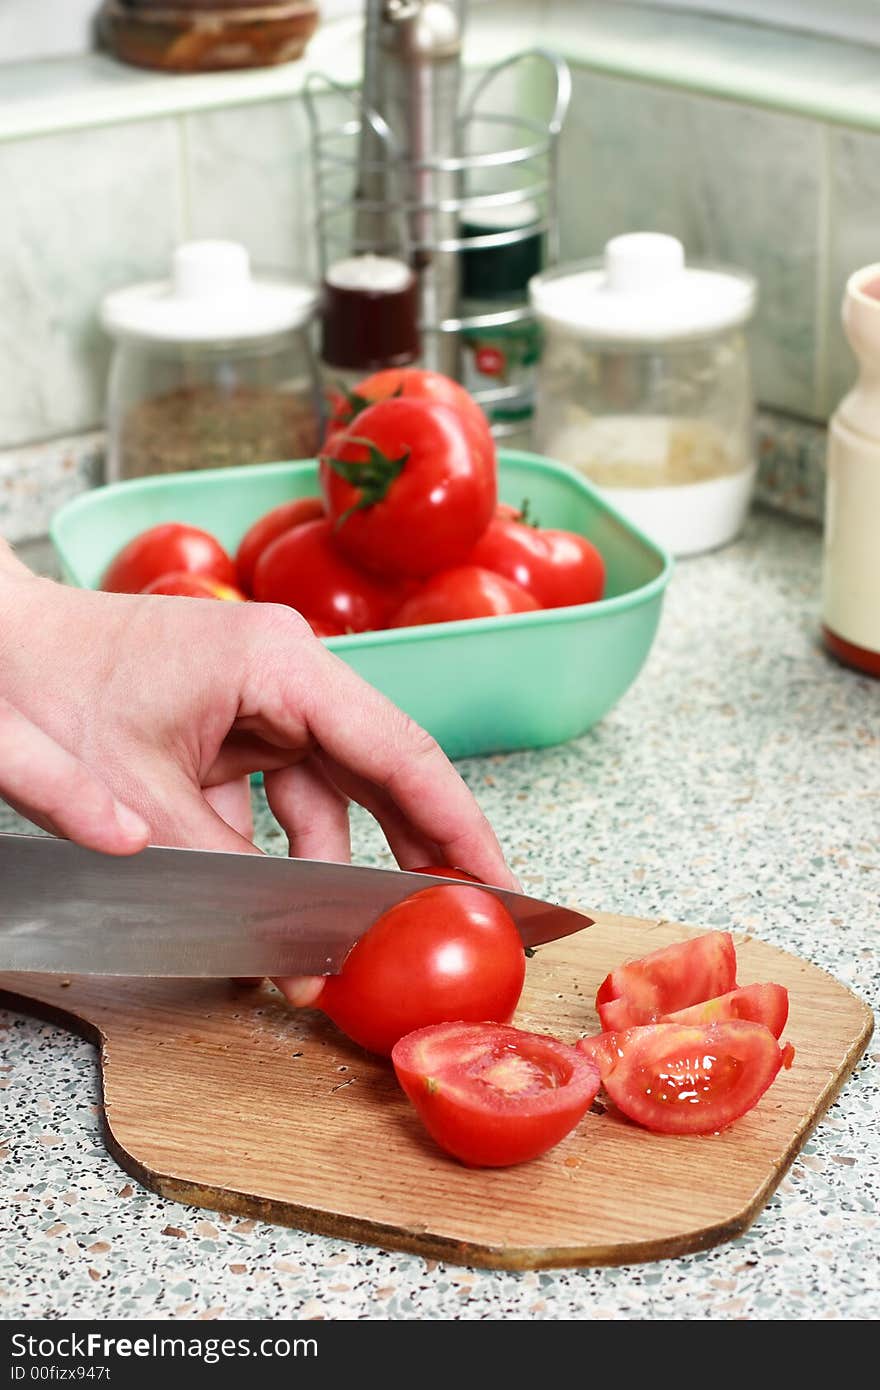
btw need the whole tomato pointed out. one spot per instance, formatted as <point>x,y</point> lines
<point>265,530</point>
<point>558,568</point>
<point>193,586</point>
<point>170,546</point>
<point>322,629</point>
<point>448,952</point>
<point>411,383</point>
<point>465,592</point>
<point>408,488</point>
<point>304,569</point>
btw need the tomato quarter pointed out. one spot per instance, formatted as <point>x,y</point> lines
<point>674,977</point>
<point>491,1095</point>
<point>767,1004</point>
<point>447,952</point>
<point>170,546</point>
<point>678,1078</point>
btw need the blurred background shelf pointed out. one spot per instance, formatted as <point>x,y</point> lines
<point>803,73</point>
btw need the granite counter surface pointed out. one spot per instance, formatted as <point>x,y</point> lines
<point>736,785</point>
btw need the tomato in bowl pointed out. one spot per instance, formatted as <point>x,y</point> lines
<point>487,684</point>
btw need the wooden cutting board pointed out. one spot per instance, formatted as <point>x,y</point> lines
<point>225,1098</point>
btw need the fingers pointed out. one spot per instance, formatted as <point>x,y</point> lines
<point>367,735</point>
<point>182,816</point>
<point>312,812</point>
<point>242,753</point>
<point>232,801</point>
<point>297,688</point>
<point>410,849</point>
<point>314,815</point>
<point>56,791</point>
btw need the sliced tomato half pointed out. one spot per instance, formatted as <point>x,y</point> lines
<point>767,1004</point>
<point>678,1078</point>
<point>492,1095</point>
<point>688,972</point>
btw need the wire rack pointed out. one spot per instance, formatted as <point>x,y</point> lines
<point>371,196</point>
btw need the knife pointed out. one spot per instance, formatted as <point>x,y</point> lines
<point>207,913</point>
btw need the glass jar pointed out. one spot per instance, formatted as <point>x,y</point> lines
<point>644,386</point>
<point>206,35</point>
<point>210,369</point>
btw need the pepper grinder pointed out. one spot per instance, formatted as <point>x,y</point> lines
<point>412,73</point>
<point>851,556</point>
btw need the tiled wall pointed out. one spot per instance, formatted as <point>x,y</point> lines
<point>89,211</point>
<point>791,199</point>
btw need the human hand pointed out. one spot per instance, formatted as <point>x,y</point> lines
<point>126,719</point>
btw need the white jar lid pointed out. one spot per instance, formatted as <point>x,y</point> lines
<point>642,291</point>
<point>211,296</point>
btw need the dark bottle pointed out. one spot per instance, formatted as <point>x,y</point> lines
<point>368,316</point>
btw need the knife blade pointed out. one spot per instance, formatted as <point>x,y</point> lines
<point>206,913</point>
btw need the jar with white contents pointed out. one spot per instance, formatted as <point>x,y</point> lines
<point>644,386</point>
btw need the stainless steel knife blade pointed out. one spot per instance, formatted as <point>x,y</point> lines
<point>206,913</point>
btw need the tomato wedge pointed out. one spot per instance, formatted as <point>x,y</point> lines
<point>767,1004</point>
<point>677,1078</point>
<point>493,1095</point>
<point>688,972</point>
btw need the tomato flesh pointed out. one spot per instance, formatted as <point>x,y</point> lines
<point>674,977</point>
<point>764,1003</point>
<point>492,1095</point>
<point>451,951</point>
<point>678,1078</point>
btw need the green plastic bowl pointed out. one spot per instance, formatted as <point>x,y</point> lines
<point>487,685</point>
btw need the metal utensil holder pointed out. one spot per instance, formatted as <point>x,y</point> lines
<point>508,164</point>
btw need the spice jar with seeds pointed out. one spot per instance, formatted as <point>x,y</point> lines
<point>644,386</point>
<point>211,368</point>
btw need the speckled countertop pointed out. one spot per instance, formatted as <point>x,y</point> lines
<point>737,784</point>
